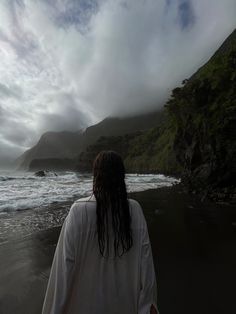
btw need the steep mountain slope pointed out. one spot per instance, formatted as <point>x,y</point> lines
<point>113,126</point>
<point>197,138</point>
<point>204,112</point>
<point>147,151</point>
<point>52,145</point>
<point>61,145</point>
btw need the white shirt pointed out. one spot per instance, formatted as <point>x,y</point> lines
<point>83,282</point>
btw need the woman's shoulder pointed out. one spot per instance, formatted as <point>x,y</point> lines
<point>83,203</point>
<point>134,202</point>
<point>90,198</point>
<point>81,208</point>
<point>136,208</point>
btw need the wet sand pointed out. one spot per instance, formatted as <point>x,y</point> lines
<point>194,249</point>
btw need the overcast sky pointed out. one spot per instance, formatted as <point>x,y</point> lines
<point>65,64</point>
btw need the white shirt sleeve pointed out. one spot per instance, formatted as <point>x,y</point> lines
<point>62,269</point>
<point>148,288</point>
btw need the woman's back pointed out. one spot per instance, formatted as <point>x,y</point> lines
<point>99,285</point>
<point>103,261</point>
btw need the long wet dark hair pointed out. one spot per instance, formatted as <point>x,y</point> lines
<point>110,192</point>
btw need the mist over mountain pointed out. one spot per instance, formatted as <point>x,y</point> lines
<point>69,64</point>
<point>52,145</point>
<point>196,140</point>
<point>69,144</point>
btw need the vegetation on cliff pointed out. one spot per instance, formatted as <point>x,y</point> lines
<point>204,114</point>
<point>148,151</point>
<point>196,140</point>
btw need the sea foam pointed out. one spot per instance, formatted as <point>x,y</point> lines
<point>29,203</point>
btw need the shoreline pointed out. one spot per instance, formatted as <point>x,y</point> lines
<point>193,247</point>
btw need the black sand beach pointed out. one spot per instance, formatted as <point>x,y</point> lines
<point>194,249</point>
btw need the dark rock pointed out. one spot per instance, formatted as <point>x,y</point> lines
<point>40,173</point>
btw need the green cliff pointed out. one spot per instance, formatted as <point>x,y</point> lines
<point>196,139</point>
<point>204,114</point>
<point>148,151</point>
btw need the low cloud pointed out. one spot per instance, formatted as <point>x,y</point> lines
<point>68,63</point>
<point>10,91</point>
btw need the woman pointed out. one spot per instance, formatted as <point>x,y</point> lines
<point>103,261</point>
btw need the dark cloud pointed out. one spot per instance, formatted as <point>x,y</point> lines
<point>67,64</point>
<point>59,122</point>
<point>22,41</point>
<point>8,153</point>
<point>186,14</point>
<point>75,13</point>
<point>67,117</point>
<point>14,130</point>
<point>13,136</point>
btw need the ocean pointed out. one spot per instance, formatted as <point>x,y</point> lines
<point>29,203</point>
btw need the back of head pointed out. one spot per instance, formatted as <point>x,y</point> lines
<point>110,192</point>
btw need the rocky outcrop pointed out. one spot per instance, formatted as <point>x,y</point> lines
<point>40,173</point>
<point>45,173</point>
